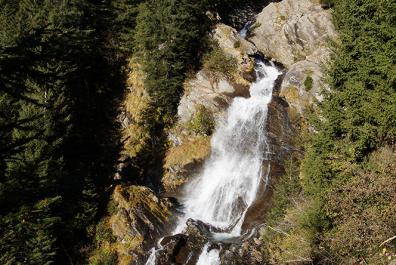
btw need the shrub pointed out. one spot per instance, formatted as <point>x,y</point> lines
<point>103,232</point>
<point>104,257</point>
<point>237,44</point>
<point>308,83</point>
<point>218,65</point>
<point>202,122</point>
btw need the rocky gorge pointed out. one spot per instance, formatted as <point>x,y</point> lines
<point>293,35</point>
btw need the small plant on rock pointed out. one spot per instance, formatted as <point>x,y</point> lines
<point>202,122</point>
<point>308,83</point>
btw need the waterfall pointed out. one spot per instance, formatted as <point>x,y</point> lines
<point>231,175</point>
<point>244,31</point>
<point>209,257</point>
<point>221,195</point>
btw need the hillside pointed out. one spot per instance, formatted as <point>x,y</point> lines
<point>197,132</point>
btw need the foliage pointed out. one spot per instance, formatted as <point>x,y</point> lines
<point>354,122</point>
<point>362,210</point>
<point>308,83</point>
<point>168,37</point>
<point>219,65</point>
<point>287,189</point>
<point>104,257</point>
<point>202,121</point>
<point>55,121</point>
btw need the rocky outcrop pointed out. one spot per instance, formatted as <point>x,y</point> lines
<point>182,161</point>
<point>297,34</point>
<point>216,95</point>
<point>184,248</point>
<point>138,219</point>
<point>290,31</point>
<point>188,149</point>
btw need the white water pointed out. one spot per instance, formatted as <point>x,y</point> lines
<point>231,176</point>
<point>222,193</point>
<point>209,257</point>
<point>244,31</point>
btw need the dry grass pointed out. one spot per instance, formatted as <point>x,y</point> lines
<point>136,102</point>
<point>135,138</point>
<point>191,149</point>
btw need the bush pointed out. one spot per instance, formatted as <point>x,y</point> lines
<point>362,211</point>
<point>308,83</point>
<point>237,44</point>
<point>287,189</point>
<point>104,257</point>
<point>202,122</point>
<point>218,65</point>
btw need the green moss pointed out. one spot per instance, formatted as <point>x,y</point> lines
<point>308,83</point>
<point>103,232</point>
<point>190,150</point>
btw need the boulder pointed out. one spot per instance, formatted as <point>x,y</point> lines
<point>182,161</point>
<point>183,248</point>
<point>297,34</point>
<point>290,31</point>
<point>139,218</point>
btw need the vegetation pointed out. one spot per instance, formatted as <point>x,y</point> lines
<point>62,67</point>
<point>218,64</point>
<point>59,74</point>
<point>344,210</point>
<point>308,83</point>
<point>202,121</point>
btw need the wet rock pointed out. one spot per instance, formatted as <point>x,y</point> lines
<point>172,248</point>
<point>184,248</point>
<point>242,253</point>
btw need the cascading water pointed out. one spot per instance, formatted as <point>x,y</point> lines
<point>244,31</point>
<point>231,176</point>
<point>221,195</point>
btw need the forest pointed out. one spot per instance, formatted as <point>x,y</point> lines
<point>62,76</point>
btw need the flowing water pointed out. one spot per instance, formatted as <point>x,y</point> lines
<point>231,176</point>
<point>221,195</point>
<point>244,31</point>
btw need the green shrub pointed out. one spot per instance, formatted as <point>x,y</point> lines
<point>218,65</point>
<point>103,232</point>
<point>308,83</point>
<point>287,189</point>
<point>237,44</point>
<point>104,257</point>
<point>202,122</point>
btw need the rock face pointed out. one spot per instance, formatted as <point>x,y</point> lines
<point>138,220</point>
<point>296,34</point>
<point>189,150</point>
<point>216,95</point>
<point>290,31</point>
<point>184,248</point>
<point>183,161</point>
